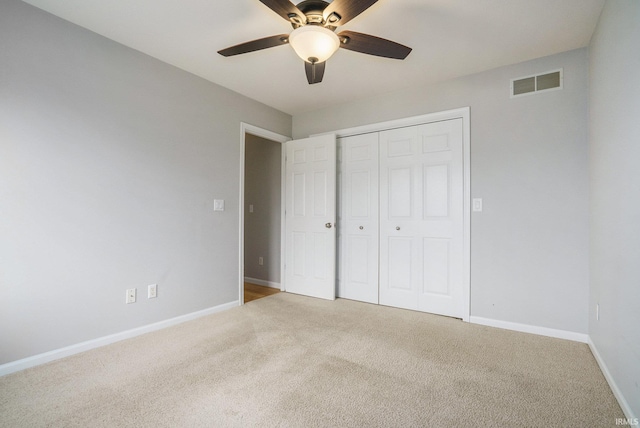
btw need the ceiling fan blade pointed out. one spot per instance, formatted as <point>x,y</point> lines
<point>256,45</point>
<point>287,10</point>
<point>346,10</point>
<point>372,45</point>
<point>314,71</point>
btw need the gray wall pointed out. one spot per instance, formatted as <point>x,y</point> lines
<point>109,164</point>
<point>262,189</point>
<point>529,248</point>
<point>615,194</point>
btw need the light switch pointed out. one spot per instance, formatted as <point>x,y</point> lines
<point>218,204</point>
<point>250,208</point>
<point>477,204</point>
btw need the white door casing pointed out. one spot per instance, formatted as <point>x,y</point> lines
<point>245,129</point>
<point>358,217</point>
<point>310,216</point>
<point>422,218</point>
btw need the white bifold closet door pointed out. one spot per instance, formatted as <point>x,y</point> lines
<point>358,217</point>
<point>421,218</point>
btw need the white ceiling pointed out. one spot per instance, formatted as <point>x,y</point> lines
<point>450,38</point>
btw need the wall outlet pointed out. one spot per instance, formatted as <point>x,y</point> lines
<point>152,291</point>
<point>131,295</point>
<point>218,204</point>
<point>477,205</point>
<point>260,261</point>
<point>250,208</point>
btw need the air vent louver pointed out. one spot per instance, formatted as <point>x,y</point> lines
<point>538,83</point>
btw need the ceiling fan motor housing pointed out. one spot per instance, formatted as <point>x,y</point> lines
<point>312,10</point>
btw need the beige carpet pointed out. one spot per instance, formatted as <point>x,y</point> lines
<point>292,361</point>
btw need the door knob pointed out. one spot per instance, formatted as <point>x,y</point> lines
<point>328,225</point>
<point>397,227</point>
<point>361,228</point>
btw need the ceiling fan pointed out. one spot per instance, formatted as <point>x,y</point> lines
<point>313,37</point>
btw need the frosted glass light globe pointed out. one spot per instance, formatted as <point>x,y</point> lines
<point>313,43</point>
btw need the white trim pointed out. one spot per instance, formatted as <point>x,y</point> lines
<point>262,282</point>
<point>56,354</point>
<point>466,189</point>
<point>626,408</point>
<point>283,207</point>
<point>246,128</point>
<point>533,329</point>
<point>400,123</point>
<point>463,113</point>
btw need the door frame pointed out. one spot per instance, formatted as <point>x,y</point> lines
<point>245,129</point>
<point>463,113</point>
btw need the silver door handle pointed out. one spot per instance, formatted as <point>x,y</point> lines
<point>361,227</point>
<point>328,225</point>
<point>397,227</point>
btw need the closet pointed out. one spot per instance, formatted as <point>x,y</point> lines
<point>401,217</point>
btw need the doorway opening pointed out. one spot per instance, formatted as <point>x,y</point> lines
<point>261,213</point>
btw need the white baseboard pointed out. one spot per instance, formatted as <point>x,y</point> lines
<point>626,408</point>
<point>262,282</point>
<point>526,328</point>
<point>56,354</point>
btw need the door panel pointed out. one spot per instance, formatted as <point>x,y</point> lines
<point>358,218</point>
<point>443,288</point>
<point>310,216</point>
<point>320,194</point>
<point>319,256</point>
<point>360,191</point>
<point>298,265</point>
<point>400,263</point>
<point>436,191</point>
<point>400,189</point>
<point>358,253</point>
<point>421,229</point>
<point>436,254</point>
<point>400,179</point>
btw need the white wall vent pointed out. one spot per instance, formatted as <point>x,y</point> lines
<point>549,81</point>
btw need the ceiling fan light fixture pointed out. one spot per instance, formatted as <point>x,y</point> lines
<point>314,43</point>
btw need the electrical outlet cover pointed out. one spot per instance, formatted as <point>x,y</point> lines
<point>218,204</point>
<point>152,291</point>
<point>477,205</point>
<point>131,295</point>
